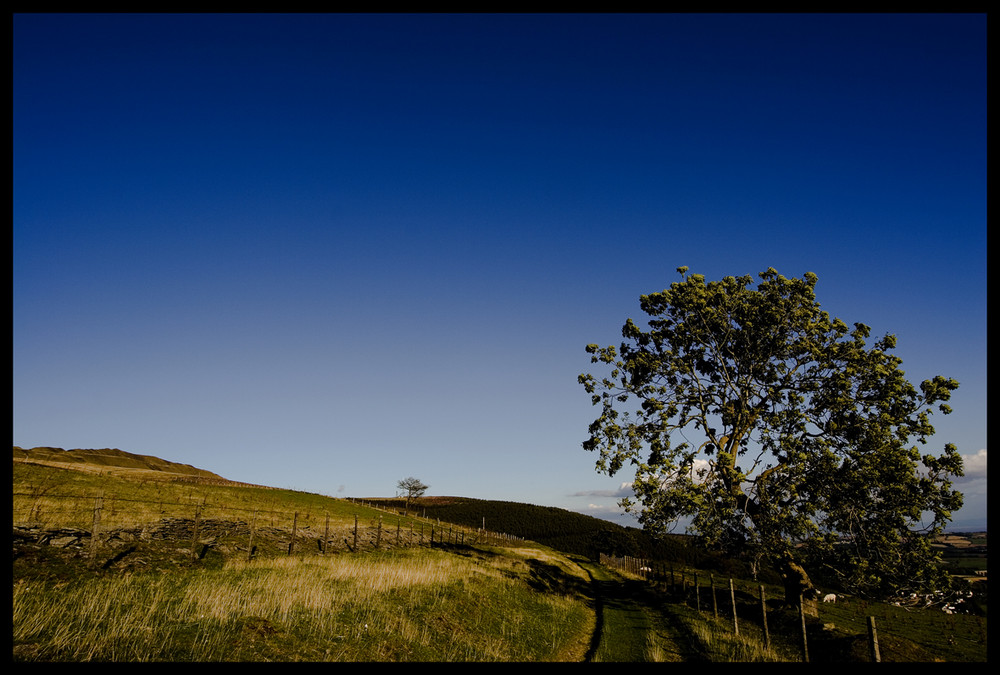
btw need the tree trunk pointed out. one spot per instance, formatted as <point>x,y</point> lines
<point>797,583</point>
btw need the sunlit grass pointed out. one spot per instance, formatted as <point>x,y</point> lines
<point>57,497</point>
<point>408,605</point>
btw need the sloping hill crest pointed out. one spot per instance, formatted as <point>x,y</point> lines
<point>108,458</point>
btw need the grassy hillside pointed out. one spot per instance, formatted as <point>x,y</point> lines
<point>188,568</point>
<point>108,459</point>
<point>560,529</point>
<point>185,571</point>
<point>394,605</point>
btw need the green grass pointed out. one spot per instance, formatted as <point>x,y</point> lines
<point>837,634</point>
<point>459,603</point>
<point>405,605</point>
<point>454,603</point>
<point>65,497</point>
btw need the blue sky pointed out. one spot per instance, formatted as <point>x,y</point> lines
<point>326,252</point>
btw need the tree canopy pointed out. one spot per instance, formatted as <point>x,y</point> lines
<point>412,488</point>
<point>777,432</point>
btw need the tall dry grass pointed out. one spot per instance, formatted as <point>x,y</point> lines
<point>723,645</point>
<point>415,605</point>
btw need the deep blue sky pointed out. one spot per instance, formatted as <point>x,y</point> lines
<point>327,252</point>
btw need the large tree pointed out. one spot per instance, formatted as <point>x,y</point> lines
<point>777,433</point>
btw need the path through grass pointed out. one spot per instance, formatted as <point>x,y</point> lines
<point>630,626</point>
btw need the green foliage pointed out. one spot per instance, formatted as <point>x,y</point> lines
<point>617,543</point>
<point>777,430</point>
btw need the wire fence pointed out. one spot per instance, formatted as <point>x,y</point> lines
<point>102,522</point>
<point>736,602</point>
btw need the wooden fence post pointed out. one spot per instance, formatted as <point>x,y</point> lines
<point>295,529</point>
<point>253,524</point>
<point>326,533</point>
<point>805,641</point>
<point>715,602</point>
<point>355,533</point>
<point>732,597</point>
<point>194,533</point>
<point>873,640</point>
<point>763,617</point>
<point>95,531</point>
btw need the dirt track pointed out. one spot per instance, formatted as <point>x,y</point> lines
<point>631,626</point>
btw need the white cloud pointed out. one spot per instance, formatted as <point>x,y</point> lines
<point>975,466</point>
<point>699,466</point>
<point>624,490</point>
<point>611,513</point>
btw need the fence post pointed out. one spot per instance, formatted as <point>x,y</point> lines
<point>732,597</point>
<point>355,533</point>
<point>697,593</point>
<point>873,640</point>
<point>805,641</point>
<point>763,617</point>
<point>194,534</point>
<point>295,529</point>
<point>715,602</point>
<point>253,524</point>
<point>95,531</point>
<point>326,533</point>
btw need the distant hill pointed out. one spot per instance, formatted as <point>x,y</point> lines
<point>109,458</point>
<point>563,530</point>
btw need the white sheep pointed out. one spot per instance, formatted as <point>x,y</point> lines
<point>829,597</point>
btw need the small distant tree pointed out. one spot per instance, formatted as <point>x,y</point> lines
<point>411,488</point>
